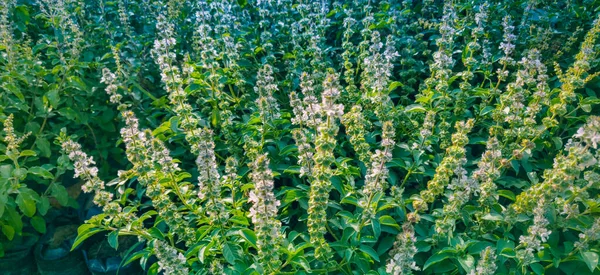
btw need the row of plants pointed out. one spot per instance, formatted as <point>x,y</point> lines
<point>300,137</point>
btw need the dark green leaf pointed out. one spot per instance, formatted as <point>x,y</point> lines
<point>44,146</point>
<point>436,259</point>
<point>231,252</point>
<point>537,268</point>
<point>60,193</point>
<point>39,224</point>
<point>369,251</point>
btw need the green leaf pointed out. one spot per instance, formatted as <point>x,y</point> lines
<point>43,205</point>
<point>202,252</point>
<point>14,90</point>
<point>26,203</point>
<point>44,146</point>
<point>3,200</point>
<point>239,220</point>
<point>586,108</point>
<point>394,85</point>
<point>84,232</point>
<point>486,110</point>
<point>134,256</point>
<point>389,221</point>
<point>8,231</point>
<point>493,217</point>
<point>436,259</point>
<point>369,251</point>
<point>288,150</point>
<point>13,218</point>
<point>414,108</point>
<point>249,235</point>
<point>60,193</point>
<point>376,227</point>
<point>231,252</point>
<point>591,259</point>
<point>27,153</point>
<point>53,98</point>
<point>113,239</point>
<point>39,224</point>
<point>40,172</point>
<point>507,194</point>
<point>301,261</point>
<point>537,268</point>
<point>153,270</point>
<point>508,252</point>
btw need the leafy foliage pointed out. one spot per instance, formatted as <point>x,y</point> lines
<point>309,137</point>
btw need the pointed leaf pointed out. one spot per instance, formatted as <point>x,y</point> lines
<point>591,259</point>
<point>39,224</point>
<point>369,251</point>
<point>40,172</point>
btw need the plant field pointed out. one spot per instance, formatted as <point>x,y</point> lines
<point>299,137</point>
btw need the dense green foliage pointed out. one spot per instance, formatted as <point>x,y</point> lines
<point>308,137</point>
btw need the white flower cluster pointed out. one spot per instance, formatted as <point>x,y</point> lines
<point>589,235</point>
<point>85,169</point>
<point>507,46</point>
<point>488,170</point>
<point>402,255</point>
<point>377,174</point>
<point>170,261</point>
<point>10,138</point>
<point>209,178</point>
<point>538,234</point>
<point>589,133</point>
<point>109,79</point>
<point>264,213</point>
<point>463,187</point>
<point>265,88</point>
<point>377,66</point>
<point>487,263</point>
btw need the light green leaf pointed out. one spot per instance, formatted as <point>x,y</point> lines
<point>394,85</point>
<point>8,231</point>
<point>53,98</point>
<point>591,259</point>
<point>84,232</point>
<point>414,108</point>
<point>40,172</point>
<point>43,205</point>
<point>239,220</point>
<point>27,153</point>
<point>389,221</point>
<point>113,239</point>
<point>26,203</point>
<point>249,235</point>
<point>507,194</point>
